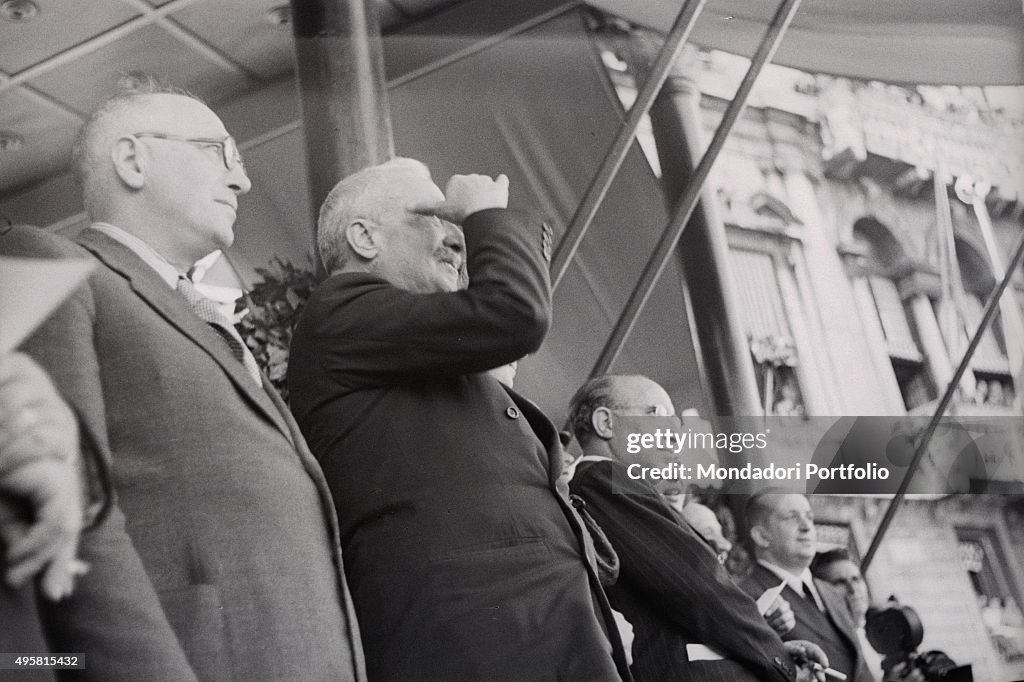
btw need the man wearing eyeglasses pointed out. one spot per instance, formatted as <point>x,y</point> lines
<point>225,505</point>
<point>690,620</point>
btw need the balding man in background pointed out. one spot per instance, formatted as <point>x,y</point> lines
<point>705,522</point>
<point>226,507</point>
<point>691,621</point>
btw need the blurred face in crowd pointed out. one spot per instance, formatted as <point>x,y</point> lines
<point>706,523</point>
<point>787,537</point>
<point>418,253</point>
<point>847,576</point>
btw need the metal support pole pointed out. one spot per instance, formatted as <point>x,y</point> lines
<point>690,196</point>
<point>340,64</point>
<point>991,306</point>
<point>598,188</point>
<point>1012,318</point>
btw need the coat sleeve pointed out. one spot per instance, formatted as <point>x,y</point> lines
<point>363,331</point>
<point>677,572</point>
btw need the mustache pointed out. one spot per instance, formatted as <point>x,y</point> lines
<point>455,257</point>
<point>451,255</point>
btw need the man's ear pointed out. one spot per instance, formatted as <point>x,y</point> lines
<point>601,420</point>
<point>363,239</point>
<point>128,163</point>
<point>758,536</point>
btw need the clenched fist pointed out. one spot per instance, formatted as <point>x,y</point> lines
<point>465,195</point>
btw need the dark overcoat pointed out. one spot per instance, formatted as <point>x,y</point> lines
<point>464,560</point>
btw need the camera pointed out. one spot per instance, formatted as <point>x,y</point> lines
<point>895,631</point>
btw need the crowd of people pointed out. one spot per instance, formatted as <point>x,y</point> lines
<point>407,516</point>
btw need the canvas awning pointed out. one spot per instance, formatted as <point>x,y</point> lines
<point>949,42</point>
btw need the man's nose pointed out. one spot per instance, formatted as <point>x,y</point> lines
<point>238,180</point>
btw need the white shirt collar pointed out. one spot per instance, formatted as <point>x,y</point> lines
<point>147,253</point>
<point>796,582</point>
<point>570,470</point>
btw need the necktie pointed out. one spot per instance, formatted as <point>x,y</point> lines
<point>205,309</point>
<point>809,596</point>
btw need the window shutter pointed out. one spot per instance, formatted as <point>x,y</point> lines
<point>898,337</point>
<point>760,300</point>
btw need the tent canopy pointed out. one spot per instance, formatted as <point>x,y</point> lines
<point>942,42</point>
<point>56,66</point>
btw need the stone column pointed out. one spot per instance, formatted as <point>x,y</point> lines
<point>676,120</point>
<point>346,120</point>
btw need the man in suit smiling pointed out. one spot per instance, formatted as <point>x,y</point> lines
<point>465,560</point>
<point>225,506</point>
<point>784,539</point>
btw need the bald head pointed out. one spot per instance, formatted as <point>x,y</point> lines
<point>707,524</point>
<point>630,395</point>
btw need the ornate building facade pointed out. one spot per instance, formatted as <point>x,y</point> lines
<point>860,279</point>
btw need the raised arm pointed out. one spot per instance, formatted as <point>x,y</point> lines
<point>367,332</point>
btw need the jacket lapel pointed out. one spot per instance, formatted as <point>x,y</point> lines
<point>149,286</point>
<point>765,578</point>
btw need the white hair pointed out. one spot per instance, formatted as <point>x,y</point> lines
<point>364,194</point>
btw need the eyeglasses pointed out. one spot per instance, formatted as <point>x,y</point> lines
<point>227,146</point>
<point>645,410</point>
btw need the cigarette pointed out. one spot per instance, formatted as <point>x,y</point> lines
<point>830,672</point>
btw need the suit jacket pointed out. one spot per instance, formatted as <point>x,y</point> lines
<point>225,507</point>
<point>464,561</point>
<point>673,590</point>
<point>834,630</point>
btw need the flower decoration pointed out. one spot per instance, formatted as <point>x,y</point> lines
<point>274,306</point>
